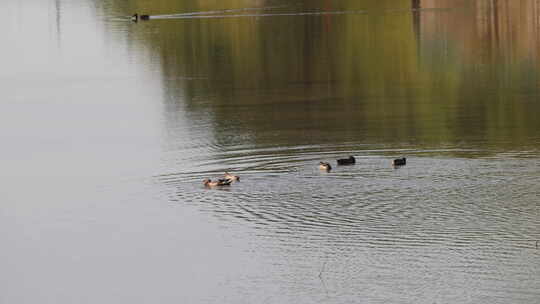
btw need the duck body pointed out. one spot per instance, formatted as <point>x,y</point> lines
<point>136,17</point>
<point>231,177</point>
<point>346,161</point>
<point>325,166</point>
<point>220,182</point>
<point>399,161</point>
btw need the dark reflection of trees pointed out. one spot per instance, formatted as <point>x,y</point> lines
<point>428,74</point>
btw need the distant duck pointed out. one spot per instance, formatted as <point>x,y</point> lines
<point>346,161</point>
<point>325,166</point>
<point>399,161</point>
<point>136,17</point>
<point>234,178</point>
<point>220,182</point>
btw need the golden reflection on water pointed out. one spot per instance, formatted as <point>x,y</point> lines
<point>447,72</point>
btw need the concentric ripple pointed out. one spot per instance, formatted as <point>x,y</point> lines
<point>430,200</point>
<point>447,211</point>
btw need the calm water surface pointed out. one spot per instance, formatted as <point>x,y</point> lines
<point>108,128</point>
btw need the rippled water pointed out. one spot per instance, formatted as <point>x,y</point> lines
<point>110,126</point>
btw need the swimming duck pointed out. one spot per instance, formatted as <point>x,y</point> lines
<point>234,178</point>
<point>399,161</point>
<point>325,166</point>
<point>220,182</point>
<point>136,17</point>
<point>346,161</point>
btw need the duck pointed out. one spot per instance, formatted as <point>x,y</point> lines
<point>346,161</point>
<point>136,17</point>
<point>234,178</point>
<point>399,161</point>
<point>325,166</point>
<point>220,182</point>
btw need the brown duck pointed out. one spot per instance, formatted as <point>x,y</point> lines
<point>231,177</point>
<point>220,182</point>
<point>325,166</point>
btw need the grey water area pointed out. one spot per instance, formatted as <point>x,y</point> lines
<point>108,128</point>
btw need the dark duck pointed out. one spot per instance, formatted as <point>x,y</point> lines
<point>346,161</point>
<point>136,17</point>
<point>399,161</point>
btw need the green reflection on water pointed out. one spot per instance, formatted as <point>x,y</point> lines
<point>458,73</point>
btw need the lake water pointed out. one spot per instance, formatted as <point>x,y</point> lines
<point>109,126</point>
